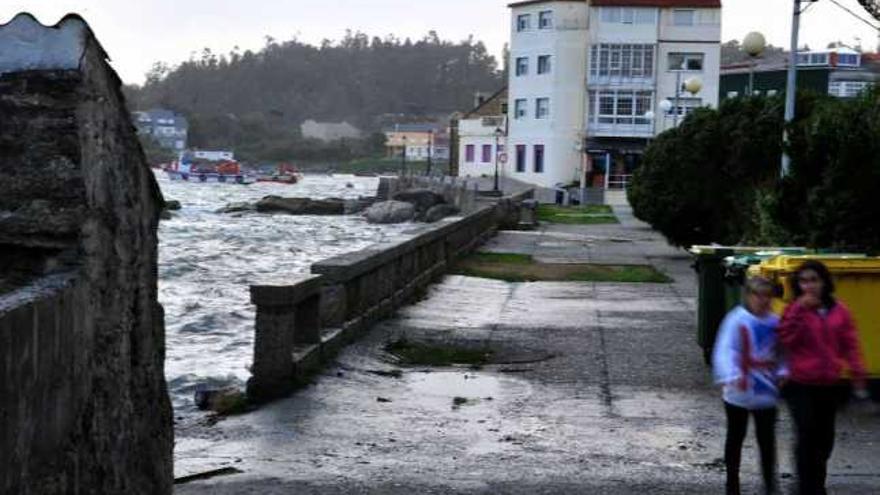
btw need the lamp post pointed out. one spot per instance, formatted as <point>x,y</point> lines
<point>430,150</point>
<point>791,84</point>
<point>692,85</point>
<point>403,158</point>
<point>754,45</point>
<point>498,134</point>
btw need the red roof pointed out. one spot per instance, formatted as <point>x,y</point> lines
<point>657,3</point>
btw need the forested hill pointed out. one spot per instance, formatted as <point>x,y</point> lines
<point>234,98</point>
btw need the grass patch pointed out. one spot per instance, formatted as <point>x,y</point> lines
<point>510,258</point>
<point>411,353</point>
<point>522,268</point>
<point>583,215</point>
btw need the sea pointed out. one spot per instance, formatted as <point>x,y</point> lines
<point>207,260</point>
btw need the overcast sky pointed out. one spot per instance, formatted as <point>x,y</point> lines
<point>137,33</point>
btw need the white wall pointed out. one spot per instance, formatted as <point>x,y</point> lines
<point>704,37</point>
<point>562,131</point>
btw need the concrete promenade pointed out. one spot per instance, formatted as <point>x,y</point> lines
<point>599,388</point>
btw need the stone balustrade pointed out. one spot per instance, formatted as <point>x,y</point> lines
<point>303,322</point>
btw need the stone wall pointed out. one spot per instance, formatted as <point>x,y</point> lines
<point>84,406</point>
<point>348,293</point>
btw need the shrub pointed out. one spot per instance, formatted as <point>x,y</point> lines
<point>698,182</point>
<point>829,200</point>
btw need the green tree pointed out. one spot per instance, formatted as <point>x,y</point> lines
<point>699,182</point>
<point>830,198</point>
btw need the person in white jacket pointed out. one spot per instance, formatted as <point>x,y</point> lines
<point>748,365</point>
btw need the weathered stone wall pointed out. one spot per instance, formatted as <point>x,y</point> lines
<point>84,406</point>
<point>349,293</point>
<point>459,192</point>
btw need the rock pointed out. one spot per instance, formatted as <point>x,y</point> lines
<point>390,212</point>
<point>172,205</point>
<point>222,401</point>
<point>237,208</point>
<point>301,206</point>
<point>165,215</point>
<point>422,199</point>
<point>358,205</point>
<point>438,212</point>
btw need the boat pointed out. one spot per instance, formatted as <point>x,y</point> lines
<point>224,172</point>
<point>210,177</point>
<point>284,174</point>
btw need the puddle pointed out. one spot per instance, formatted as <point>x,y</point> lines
<point>484,394</point>
<point>440,389</point>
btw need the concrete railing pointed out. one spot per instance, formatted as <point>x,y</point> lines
<point>305,321</point>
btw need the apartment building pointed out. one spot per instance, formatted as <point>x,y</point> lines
<point>588,80</point>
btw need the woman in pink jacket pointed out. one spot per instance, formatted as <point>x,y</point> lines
<point>822,350</point>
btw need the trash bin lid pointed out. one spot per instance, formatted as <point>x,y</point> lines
<point>836,263</point>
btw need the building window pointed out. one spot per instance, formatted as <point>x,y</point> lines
<point>692,62</point>
<point>523,22</point>
<point>628,15</point>
<point>504,109</point>
<point>684,106</point>
<point>539,158</point>
<point>622,61</point>
<point>619,107</point>
<point>519,108</point>
<point>487,153</point>
<point>847,89</point>
<point>542,108</point>
<point>520,158</point>
<point>543,64</point>
<point>848,59</point>
<point>469,153</point>
<point>522,66</point>
<point>545,19</point>
<point>683,17</point>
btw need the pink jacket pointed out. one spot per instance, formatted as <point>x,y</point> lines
<point>819,349</point>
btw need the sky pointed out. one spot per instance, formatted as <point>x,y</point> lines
<point>137,33</point>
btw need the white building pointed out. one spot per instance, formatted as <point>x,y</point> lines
<point>329,131</point>
<point>212,155</point>
<point>587,80</point>
<point>482,136</point>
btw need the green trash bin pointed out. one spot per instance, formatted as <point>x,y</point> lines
<point>719,291</point>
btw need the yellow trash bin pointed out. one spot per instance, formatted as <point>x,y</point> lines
<point>857,284</point>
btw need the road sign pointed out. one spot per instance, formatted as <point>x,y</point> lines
<point>502,157</point>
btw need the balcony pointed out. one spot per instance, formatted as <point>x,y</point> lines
<point>621,127</point>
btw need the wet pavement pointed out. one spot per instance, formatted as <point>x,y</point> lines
<point>594,388</point>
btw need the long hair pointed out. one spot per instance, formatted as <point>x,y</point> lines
<point>824,275</point>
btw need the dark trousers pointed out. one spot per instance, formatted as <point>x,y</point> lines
<point>813,409</point>
<point>765,430</point>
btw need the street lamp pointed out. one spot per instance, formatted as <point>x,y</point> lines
<point>692,85</point>
<point>754,45</point>
<point>403,158</point>
<point>430,149</point>
<point>498,134</point>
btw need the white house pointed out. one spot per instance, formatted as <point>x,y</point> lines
<point>329,131</point>
<point>213,155</point>
<point>587,80</point>
<point>482,136</point>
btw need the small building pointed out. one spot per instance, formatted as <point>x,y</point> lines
<point>329,131</point>
<point>212,155</point>
<point>482,137</point>
<point>419,141</point>
<point>840,72</point>
<point>169,129</point>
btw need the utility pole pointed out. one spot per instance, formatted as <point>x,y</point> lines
<point>791,86</point>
